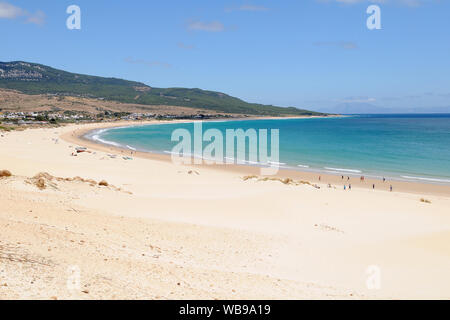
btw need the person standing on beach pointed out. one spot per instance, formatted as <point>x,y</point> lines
<point>390,188</point>
<point>320,178</point>
<point>373,186</point>
<point>349,187</point>
<point>384,179</point>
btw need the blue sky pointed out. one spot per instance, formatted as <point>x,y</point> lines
<point>307,54</point>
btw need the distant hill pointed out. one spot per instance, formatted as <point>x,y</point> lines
<point>32,78</point>
<point>354,108</point>
<point>367,108</point>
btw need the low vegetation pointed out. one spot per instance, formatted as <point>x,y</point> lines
<point>103,183</point>
<point>287,181</point>
<point>3,128</point>
<point>31,78</point>
<point>5,173</point>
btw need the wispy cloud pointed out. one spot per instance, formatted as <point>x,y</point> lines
<point>248,7</point>
<point>412,3</point>
<point>185,46</point>
<point>214,26</point>
<point>408,3</point>
<point>426,95</point>
<point>348,45</point>
<point>36,18</point>
<point>442,95</point>
<point>358,100</point>
<point>9,11</point>
<point>148,63</point>
<point>413,96</point>
<point>350,2</point>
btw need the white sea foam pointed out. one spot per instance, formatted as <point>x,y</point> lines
<point>96,137</point>
<point>131,148</point>
<point>426,179</point>
<point>343,170</point>
<point>276,163</point>
<point>302,166</point>
<point>251,162</point>
<point>179,154</point>
<point>332,172</point>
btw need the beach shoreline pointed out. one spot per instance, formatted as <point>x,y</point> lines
<point>338,179</point>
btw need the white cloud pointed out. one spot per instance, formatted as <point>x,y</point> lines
<point>348,45</point>
<point>247,7</point>
<point>411,3</point>
<point>36,18</point>
<point>9,11</point>
<point>214,26</point>
<point>408,3</point>
<point>147,63</point>
<point>183,45</point>
<point>358,100</point>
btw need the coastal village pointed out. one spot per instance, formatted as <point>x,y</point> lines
<point>47,117</point>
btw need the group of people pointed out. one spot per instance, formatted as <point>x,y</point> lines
<point>361,179</point>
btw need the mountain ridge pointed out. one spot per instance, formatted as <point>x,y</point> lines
<point>33,78</point>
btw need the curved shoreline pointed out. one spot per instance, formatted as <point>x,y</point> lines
<point>354,173</point>
<point>77,136</point>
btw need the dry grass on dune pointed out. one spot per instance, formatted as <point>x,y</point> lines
<point>103,183</point>
<point>44,180</point>
<point>5,173</point>
<point>287,181</point>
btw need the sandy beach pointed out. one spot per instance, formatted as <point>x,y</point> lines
<point>162,231</point>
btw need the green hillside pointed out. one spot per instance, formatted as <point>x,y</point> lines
<point>31,78</point>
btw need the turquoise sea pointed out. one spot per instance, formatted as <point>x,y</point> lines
<point>405,147</point>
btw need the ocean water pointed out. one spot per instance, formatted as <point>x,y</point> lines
<point>405,147</point>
